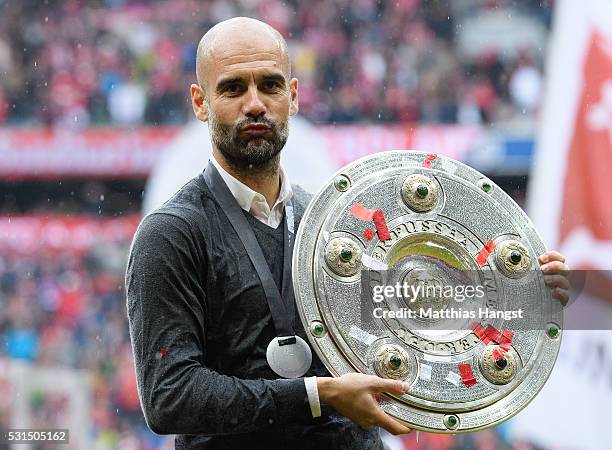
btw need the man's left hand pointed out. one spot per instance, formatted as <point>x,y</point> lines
<point>555,275</point>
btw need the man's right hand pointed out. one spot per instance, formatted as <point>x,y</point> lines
<point>352,395</point>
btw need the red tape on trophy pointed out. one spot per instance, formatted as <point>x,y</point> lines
<point>492,334</point>
<point>381,225</point>
<point>362,213</point>
<point>429,159</point>
<point>497,354</point>
<point>467,376</point>
<point>368,234</point>
<point>483,255</point>
<point>505,340</point>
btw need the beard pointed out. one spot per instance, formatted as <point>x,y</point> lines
<point>249,152</point>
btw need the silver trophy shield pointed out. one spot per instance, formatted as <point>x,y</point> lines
<point>416,267</point>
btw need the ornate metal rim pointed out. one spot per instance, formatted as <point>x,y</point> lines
<point>417,413</point>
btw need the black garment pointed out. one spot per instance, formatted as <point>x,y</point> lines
<point>200,326</point>
<point>271,241</point>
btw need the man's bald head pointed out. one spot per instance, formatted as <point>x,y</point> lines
<point>239,34</point>
<point>245,92</point>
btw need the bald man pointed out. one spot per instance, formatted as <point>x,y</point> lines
<point>210,304</point>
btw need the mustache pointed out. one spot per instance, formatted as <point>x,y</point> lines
<point>259,119</point>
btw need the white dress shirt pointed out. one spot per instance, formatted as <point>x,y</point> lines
<point>254,202</point>
<point>257,205</point>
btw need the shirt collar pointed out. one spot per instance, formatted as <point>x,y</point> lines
<point>245,196</point>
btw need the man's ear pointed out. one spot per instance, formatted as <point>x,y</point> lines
<point>293,89</point>
<point>197,102</point>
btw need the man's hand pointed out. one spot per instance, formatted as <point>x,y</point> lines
<point>352,395</point>
<point>555,275</point>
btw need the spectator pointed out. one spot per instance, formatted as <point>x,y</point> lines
<point>126,62</point>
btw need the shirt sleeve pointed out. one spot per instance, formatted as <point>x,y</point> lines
<point>313,396</point>
<point>166,310</point>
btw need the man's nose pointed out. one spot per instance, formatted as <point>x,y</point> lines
<point>253,106</point>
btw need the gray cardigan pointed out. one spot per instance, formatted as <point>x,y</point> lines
<point>199,326</point>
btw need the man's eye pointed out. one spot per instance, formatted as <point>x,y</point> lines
<point>270,85</point>
<point>232,88</point>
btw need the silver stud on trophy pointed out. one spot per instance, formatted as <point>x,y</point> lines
<point>392,361</point>
<point>419,192</point>
<point>343,256</point>
<point>498,366</point>
<point>512,258</point>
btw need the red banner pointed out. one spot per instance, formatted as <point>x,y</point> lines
<point>33,234</point>
<point>95,152</point>
<point>586,207</point>
<point>122,152</point>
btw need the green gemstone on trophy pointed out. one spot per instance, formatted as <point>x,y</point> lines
<point>553,331</point>
<point>422,191</point>
<point>452,421</point>
<point>395,362</point>
<point>515,257</point>
<point>486,186</point>
<point>501,363</point>
<point>343,183</point>
<point>346,254</point>
<point>318,329</point>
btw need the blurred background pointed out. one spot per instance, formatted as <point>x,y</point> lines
<point>96,128</point>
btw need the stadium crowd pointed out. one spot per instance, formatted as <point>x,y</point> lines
<point>67,309</point>
<point>129,62</point>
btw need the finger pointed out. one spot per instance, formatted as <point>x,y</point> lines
<point>555,267</point>
<point>391,425</point>
<point>561,294</point>
<point>551,255</point>
<point>391,386</point>
<point>554,281</point>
